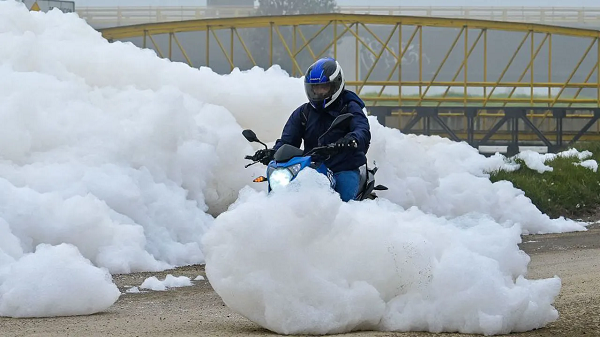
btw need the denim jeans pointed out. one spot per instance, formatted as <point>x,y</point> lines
<point>346,184</point>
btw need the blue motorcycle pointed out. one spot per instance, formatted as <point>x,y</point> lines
<point>289,160</point>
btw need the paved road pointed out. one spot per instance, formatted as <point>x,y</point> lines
<point>198,310</point>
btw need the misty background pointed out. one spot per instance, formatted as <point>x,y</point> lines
<point>440,3</point>
<point>555,63</point>
<point>565,51</point>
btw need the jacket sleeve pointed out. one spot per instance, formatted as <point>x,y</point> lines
<point>359,127</point>
<point>293,131</point>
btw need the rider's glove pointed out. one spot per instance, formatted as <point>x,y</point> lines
<point>346,143</point>
<point>264,156</point>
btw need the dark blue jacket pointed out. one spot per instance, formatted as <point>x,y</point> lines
<point>317,122</point>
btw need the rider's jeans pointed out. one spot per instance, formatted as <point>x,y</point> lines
<point>346,184</point>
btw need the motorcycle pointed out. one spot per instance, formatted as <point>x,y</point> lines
<point>289,160</point>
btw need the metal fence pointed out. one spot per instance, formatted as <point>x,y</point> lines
<point>123,16</point>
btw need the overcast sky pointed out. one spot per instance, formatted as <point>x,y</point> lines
<point>526,3</point>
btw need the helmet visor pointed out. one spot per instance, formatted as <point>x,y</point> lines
<point>318,91</point>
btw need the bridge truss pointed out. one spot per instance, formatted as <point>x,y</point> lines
<point>405,67</point>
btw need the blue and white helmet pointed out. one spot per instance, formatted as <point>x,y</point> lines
<point>324,82</point>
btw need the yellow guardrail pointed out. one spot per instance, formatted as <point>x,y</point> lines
<point>131,15</point>
<point>544,15</point>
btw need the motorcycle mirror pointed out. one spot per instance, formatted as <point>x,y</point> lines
<point>341,119</point>
<point>250,135</point>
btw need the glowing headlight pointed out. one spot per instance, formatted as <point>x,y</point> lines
<point>295,169</point>
<point>280,177</point>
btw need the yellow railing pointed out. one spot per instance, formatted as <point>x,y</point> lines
<point>544,15</point>
<point>123,16</point>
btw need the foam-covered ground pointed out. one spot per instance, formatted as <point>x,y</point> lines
<point>113,160</point>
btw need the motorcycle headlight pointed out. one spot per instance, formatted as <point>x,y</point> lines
<point>295,169</point>
<point>280,177</point>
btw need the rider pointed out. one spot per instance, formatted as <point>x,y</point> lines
<point>327,98</point>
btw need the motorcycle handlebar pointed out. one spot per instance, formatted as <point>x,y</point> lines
<point>326,148</point>
<point>329,149</point>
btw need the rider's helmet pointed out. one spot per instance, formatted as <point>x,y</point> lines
<point>324,82</point>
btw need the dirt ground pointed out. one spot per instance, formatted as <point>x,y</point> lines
<point>198,310</point>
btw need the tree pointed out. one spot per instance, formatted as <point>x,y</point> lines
<point>260,37</point>
<point>292,7</point>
